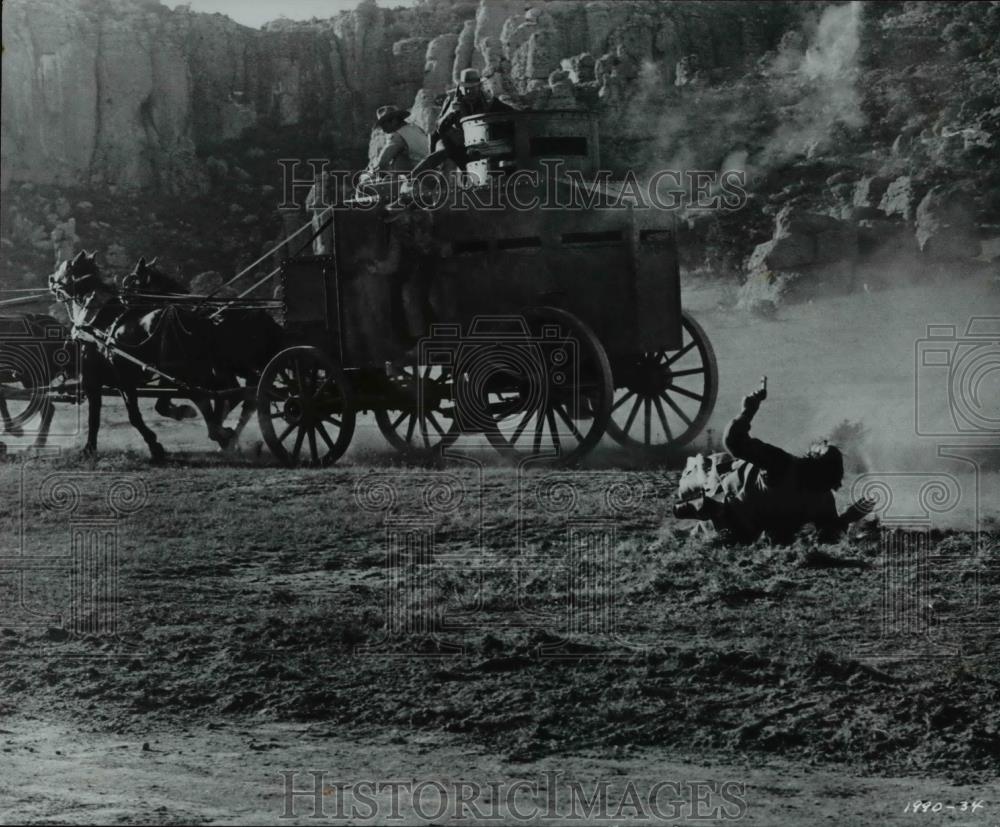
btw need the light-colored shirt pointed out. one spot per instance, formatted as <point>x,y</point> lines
<point>406,148</point>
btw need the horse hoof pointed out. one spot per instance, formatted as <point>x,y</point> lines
<point>156,453</point>
<point>89,451</point>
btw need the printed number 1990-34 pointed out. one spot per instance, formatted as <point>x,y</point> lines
<point>938,806</point>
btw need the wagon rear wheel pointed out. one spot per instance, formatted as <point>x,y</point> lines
<point>305,407</point>
<point>425,423</point>
<point>664,398</point>
<point>554,401</point>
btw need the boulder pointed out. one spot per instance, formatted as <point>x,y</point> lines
<point>580,67</point>
<point>563,95</point>
<point>464,50</point>
<point>490,19</point>
<point>408,62</point>
<point>599,26</point>
<point>543,57</point>
<point>784,253</point>
<point>901,198</point>
<point>869,190</point>
<point>945,225</point>
<point>764,290</point>
<point>794,221</point>
<point>798,231</point>
<point>438,61</point>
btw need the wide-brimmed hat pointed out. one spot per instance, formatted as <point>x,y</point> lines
<point>390,113</point>
<point>469,77</point>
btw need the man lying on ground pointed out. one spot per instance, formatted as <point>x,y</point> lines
<point>765,490</point>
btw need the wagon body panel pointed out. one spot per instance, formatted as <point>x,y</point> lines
<point>616,269</point>
<point>598,264</point>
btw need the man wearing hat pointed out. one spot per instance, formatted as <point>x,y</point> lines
<point>468,99</point>
<point>406,145</point>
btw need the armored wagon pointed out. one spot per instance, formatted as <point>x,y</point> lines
<point>523,304</point>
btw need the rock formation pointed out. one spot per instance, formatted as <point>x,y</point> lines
<point>852,123</point>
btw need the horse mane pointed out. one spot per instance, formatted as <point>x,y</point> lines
<point>156,281</point>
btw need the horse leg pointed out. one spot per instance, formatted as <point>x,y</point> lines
<point>135,419</point>
<point>247,410</point>
<point>224,405</point>
<point>165,407</point>
<point>216,431</point>
<point>48,411</point>
<point>92,387</point>
<point>8,423</point>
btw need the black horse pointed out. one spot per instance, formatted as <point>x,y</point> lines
<point>245,339</point>
<point>35,350</point>
<point>119,342</point>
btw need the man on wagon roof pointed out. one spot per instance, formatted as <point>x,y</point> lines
<point>406,146</point>
<point>469,98</point>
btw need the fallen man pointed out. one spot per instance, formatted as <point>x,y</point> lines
<point>761,489</point>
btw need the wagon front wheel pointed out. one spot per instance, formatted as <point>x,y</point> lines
<point>305,407</point>
<point>664,398</point>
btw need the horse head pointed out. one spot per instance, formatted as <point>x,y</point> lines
<point>77,277</point>
<point>145,277</point>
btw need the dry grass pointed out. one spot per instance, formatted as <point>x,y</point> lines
<point>264,591</point>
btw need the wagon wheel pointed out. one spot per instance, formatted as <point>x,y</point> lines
<point>555,407</point>
<point>25,376</point>
<point>305,407</point>
<point>664,398</point>
<point>427,425</point>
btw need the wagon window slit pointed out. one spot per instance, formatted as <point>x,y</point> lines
<point>519,243</point>
<point>604,237</point>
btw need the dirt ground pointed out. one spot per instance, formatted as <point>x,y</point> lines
<point>187,633</point>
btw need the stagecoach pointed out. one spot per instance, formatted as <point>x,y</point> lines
<point>535,327</point>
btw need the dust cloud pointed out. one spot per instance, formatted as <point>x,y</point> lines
<point>857,359</point>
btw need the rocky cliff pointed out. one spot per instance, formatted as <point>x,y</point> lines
<point>130,92</point>
<point>883,116</point>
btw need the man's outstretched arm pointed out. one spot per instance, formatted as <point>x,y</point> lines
<point>743,446</point>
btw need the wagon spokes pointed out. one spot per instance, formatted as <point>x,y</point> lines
<point>418,419</point>
<point>664,398</point>
<point>307,410</point>
<point>556,408</point>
